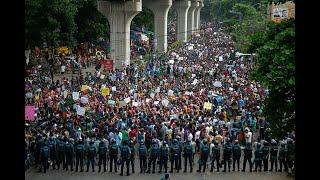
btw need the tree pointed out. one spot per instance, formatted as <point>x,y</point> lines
<point>144,19</point>
<point>275,49</point>
<point>50,22</point>
<point>90,22</point>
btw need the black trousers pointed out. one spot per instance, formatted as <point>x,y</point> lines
<point>257,163</point>
<point>186,158</point>
<point>102,159</point>
<point>53,159</point>
<point>44,164</point>
<point>217,159</point>
<point>179,161</point>
<point>245,159</point>
<point>164,163</point>
<point>79,160</point>
<point>127,161</point>
<point>61,159</point>
<point>174,160</point>
<point>265,164</point>
<point>131,161</point>
<point>226,159</point>
<point>90,160</point>
<point>203,161</point>
<point>143,163</point>
<point>69,161</point>
<point>284,162</point>
<point>236,159</point>
<point>153,161</point>
<point>275,163</point>
<point>113,158</point>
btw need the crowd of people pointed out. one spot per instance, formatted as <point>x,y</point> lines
<point>195,101</point>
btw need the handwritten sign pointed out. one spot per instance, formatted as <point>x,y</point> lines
<point>30,113</point>
<point>75,96</point>
<point>105,91</point>
<point>207,105</point>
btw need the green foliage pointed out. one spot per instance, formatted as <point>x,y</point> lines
<point>275,49</point>
<point>50,22</point>
<point>90,22</point>
<point>144,19</point>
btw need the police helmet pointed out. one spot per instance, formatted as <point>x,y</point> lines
<point>175,141</point>
<point>258,145</point>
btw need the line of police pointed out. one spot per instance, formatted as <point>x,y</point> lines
<point>62,151</point>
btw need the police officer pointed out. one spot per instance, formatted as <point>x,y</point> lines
<point>274,154</point>
<point>258,154</point>
<point>265,155</point>
<point>153,156</point>
<point>204,153</point>
<point>236,154</point>
<point>91,155</point>
<point>227,150</point>
<point>113,153</point>
<point>181,149</point>
<point>187,155</point>
<point>132,154</point>
<point>247,157</point>
<point>53,151</point>
<point>290,153</point>
<point>174,155</point>
<point>102,151</point>
<point>282,156</point>
<point>61,154</point>
<point>142,156</point>
<point>39,144</point>
<point>44,155</point>
<point>125,153</point>
<point>69,152</point>
<point>215,156</point>
<point>164,153</point>
<point>79,155</point>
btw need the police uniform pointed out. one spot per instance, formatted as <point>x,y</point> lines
<point>174,154</point>
<point>79,156</point>
<point>227,155</point>
<point>113,153</point>
<point>215,156</point>
<point>282,157</point>
<point>142,157</point>
<point>204,153</point>
<point>154,153</point>
<point>125,153</point>
<point>236,154</point>
<point>61,154</point>
<point>69,151</point>
<point>53,151</point>
<point>265,158</point>
<point>247,157</point>
<point>188,156</point>
<point>91,155</point>
<point>258,154</point>
<point>44,155</point>
<point>274,155</point>
<point>164,153</point>
<point>102,151</point>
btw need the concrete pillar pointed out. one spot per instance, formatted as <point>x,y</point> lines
<point>160,9</point>
<point>193,7</point>
<point>197,23</point>
<point>182,7</point>
<point>120,15</point>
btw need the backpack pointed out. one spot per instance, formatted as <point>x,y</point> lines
<point>205,150</point>
<point>142,151</point>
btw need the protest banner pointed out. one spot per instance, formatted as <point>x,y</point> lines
<point>30,113</point>
<point>207,105</point>
<point>75,96</point>
<point>81,111</point>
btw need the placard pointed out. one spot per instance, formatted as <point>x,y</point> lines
<point>207,105</point>
<point>30,113</point>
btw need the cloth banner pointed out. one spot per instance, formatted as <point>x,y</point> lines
<point>30,113</point>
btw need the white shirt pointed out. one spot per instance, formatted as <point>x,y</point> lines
<point>63,68</point>
<point>248,137</point>
<point>190,136</point>
<point>197,135</point>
